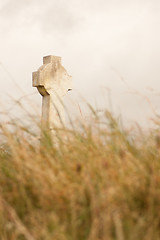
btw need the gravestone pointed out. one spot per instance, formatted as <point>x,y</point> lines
<point>52,82</point>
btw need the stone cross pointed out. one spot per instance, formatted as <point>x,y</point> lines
<point>52,82</point>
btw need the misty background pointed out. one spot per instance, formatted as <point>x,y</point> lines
<point>110,47</point>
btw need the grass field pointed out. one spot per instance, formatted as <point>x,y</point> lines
<point>100,182</point>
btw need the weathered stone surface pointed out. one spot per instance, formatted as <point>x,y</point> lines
<point>52,82</point>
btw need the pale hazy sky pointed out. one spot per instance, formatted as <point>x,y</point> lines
<point>104,44</point>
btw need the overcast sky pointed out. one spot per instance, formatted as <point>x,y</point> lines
<point>106,45</point>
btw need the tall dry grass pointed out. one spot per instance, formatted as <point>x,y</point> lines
<point>99,182</point>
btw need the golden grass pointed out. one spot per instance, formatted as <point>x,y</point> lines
<point>99,183</point>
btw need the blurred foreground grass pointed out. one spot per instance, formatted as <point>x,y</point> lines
<point>100,183</point>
